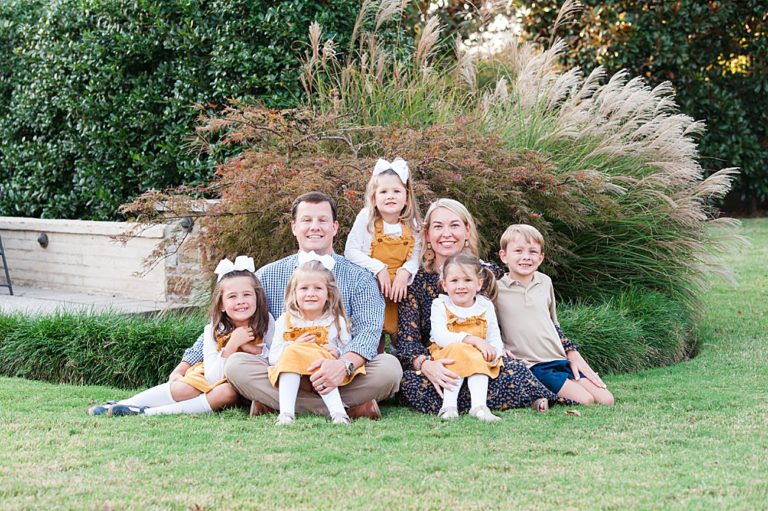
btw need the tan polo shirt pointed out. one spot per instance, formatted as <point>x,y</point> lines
<point>527,318</point>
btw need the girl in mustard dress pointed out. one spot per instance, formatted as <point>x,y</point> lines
<point>465,330</point>
<point>314,326</point>
<point>384,238</point>
<point>240,321</point>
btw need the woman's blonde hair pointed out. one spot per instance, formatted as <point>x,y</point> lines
<point>472,265</point>
<point>410,215</point>
<point>458,209</point>
<point>221,322</point>
<point>334,305</point>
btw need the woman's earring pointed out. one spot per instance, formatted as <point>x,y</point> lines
<point>429,254</point>
<point>466,243</point>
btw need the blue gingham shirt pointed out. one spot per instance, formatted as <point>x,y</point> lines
<point>362,301</point>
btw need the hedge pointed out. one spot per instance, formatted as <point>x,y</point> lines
<point>97,96</point>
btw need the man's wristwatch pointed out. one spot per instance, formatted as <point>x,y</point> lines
<point>349,366</point>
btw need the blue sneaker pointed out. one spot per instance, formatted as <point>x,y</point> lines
<point>120,410</point>
<point>101,409</point>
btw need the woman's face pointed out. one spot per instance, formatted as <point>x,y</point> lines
<point>447,233</point>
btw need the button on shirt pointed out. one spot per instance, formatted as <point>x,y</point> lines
<point>363,303</point>
<point>528,319</point>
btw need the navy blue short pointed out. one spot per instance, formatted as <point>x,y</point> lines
<point>553,374</point>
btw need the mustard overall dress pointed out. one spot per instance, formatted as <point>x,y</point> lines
<point>467,359</point>
<point>392,251</point>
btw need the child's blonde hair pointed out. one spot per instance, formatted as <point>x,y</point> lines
<point>458,209</point>
<point>334,305</point>
<point>471,265</point>
<point>529,233</point>
<point>410,215</point>
<point>222,324</point>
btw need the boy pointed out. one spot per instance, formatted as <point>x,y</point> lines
<point>526,311</point>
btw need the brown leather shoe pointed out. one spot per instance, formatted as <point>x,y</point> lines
<point>367,410</point>
<point>258,408</point>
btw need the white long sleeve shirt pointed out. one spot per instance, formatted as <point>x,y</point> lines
<point>439,321</point>
<point>213,362</point>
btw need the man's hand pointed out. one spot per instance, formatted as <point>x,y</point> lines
<point>329,374</point>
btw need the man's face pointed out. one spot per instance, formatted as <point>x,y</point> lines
<point>314,227</point>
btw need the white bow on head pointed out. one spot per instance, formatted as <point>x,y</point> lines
<point>398,166</point>
<point>241,263</point>
<point>327,261</point>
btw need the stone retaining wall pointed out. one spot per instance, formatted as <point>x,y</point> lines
<point>83,256</point>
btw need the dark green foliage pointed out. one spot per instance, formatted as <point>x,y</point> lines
<point>100,349</point>
<point>714,53</point>
<point>97,97</point>
<point>637,329</point>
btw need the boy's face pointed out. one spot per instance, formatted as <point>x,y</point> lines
<point>522,258</point>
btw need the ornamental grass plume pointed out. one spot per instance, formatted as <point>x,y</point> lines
<point>605,167</point>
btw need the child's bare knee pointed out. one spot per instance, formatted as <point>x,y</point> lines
<point>588,399</point>
<point>605,399</point>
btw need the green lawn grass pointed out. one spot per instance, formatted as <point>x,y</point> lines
<point>691,436</point>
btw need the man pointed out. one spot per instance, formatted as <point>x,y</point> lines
<point>314,225</point>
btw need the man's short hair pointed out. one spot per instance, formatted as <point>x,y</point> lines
<point>313,198</point>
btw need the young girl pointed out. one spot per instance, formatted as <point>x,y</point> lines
<point>314,326</point>
<point>240,321</point>
<point>465,330</point>
<point>384,238</point>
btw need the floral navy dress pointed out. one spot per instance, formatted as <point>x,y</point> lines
<point>515,387</point>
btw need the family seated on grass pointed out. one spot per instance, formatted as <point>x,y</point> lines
<point>495,331</point>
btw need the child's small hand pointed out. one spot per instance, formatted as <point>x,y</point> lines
<point>240,336</point>
<point>400,285</point>
<point>483,346</point>
<point>330,348</point>
<point>305,338</point>
<point>384,282</point>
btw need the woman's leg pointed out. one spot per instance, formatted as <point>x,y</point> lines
<point>517,387</point>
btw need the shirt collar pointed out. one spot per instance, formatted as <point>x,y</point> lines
<point>510,282</point>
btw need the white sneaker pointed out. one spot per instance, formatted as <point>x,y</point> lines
<point>285,419</point>
<point>448,413</point>
<point>340,418</point>
<point>484,414</point>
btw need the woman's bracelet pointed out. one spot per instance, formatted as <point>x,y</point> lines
<point>419,365</point>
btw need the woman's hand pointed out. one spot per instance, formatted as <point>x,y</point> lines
<point>579,364</point>
<point>439,375</point>
<point>483,346</point>
<point>385,283</point>
<point>400,285</point>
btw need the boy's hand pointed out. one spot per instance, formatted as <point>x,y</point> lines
<point>385,284</point>
<point>400,285</point>
<point>579,364</point>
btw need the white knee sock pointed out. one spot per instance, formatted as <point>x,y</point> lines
<point>451,397</point>
<point>333,401</point>
<point>192,406</point>
<point>288,389</point>
<point>156,396</point>
<point>478,389</point>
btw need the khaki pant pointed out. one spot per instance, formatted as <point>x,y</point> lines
<point>248,374</point>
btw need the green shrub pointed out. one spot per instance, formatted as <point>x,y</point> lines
<point>99,349</point>
<point>634,330</point>
<point>97,97</point>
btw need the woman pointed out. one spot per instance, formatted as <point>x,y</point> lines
<point>448,229</point>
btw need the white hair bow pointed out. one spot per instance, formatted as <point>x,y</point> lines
<point>241,263</point>
<point>398,165</point>
<point>327,261</point>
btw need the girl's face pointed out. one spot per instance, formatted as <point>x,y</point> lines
<point>238,300</point>
<point>390,197</point>
<point>447,233</point>
<point>461,284</point>
<point>311,294</point>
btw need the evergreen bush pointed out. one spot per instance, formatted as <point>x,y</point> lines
<point>97,97</point>
<point>95,349</point>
